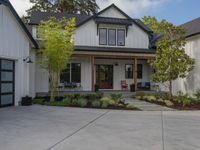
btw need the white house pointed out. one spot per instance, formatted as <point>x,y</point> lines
<point>15,46</point>
<point>110,48</point>
<point>192,82</point>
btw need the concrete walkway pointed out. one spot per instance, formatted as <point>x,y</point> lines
<point>61,128</point>
<point>146,106</point>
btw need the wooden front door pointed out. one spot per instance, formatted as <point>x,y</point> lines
<point>104,76</point>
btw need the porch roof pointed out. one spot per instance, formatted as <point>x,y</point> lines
<point>114,49</point>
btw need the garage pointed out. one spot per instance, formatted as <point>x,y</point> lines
<point>7,79</point>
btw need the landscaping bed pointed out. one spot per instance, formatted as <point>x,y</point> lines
<point>96,100</point>
<point>180,101</point>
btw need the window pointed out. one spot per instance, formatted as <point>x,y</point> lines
<point>112,37</point>
<point>129,71</point>
<point>102,36</point>
<point>121,37</point>
<point>72,73</point>
<point>139,72</point>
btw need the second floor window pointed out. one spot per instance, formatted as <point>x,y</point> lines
<point>102,36</point>
<point>120,37</point>
<point>112,37</point>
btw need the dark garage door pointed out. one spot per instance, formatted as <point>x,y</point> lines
<point>7,74</point>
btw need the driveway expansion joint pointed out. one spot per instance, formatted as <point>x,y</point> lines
<point>73,133</point>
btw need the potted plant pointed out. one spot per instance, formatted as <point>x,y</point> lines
<point>26,101</point>
<point>132,87</point>
<point>96,87</point>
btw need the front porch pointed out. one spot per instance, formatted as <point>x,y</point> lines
<point>107,72</point>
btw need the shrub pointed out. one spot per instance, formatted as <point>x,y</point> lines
<point>130,106</point>
<point>61,103</point>
<point>73,96</point>
<point>96,103</point>
<point>139,95</point>
<point>38,101</point>
<point>116,97</point>
<point>67,101</point>
<point>183,99</point>
<point>105,101</point>
<point>99,94</point>
<point>168,103</point>
<point>149,98</point>
<point>94,96</point>
<point>74,102</point>
<point>197,94</point>
<point>82,102</point>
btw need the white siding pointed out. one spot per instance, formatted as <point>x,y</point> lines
<point>192,82</point>
<point>112,13</point>
<point>14,45</point>
<point>86,35</point>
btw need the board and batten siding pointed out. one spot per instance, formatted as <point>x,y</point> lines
<point>14,45</point>
<point>192,82</point>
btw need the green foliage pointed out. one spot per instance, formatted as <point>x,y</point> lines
<point>130,106</point>
<point>171,61</point>
<point>183,99</point>
<point>67,101</point>
<point>197,94</point>
<point>168,103</point>
<point>105,101</point>
<point>57,48</point>
<point>94,96</point>
<point>82,102</point>
<point>116,97</point>
<point>150,98</point>
<point>140,95</point>
<point>61,103</point>
<point>38,101</point>
<point>68,6</point>
<point>73,96</point>
<point>96,103</point>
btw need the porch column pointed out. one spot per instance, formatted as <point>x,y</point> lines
<point>93,71</point>
<point>135,73</point>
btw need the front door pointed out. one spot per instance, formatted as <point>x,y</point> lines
<point>104,76</point>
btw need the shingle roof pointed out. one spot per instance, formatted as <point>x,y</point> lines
<point>113,21</point>
<point>37,17</point>
<point>14,13</point>
<point>192,27</point>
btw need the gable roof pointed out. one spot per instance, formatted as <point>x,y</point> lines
<point>192,28</point>
<point>81,19</point>
<point>14,13</point>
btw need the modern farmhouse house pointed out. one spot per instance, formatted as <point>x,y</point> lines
<point>111,51</point>
<point>15,48</point>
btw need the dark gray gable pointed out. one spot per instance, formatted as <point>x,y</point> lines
<point>9,6</point>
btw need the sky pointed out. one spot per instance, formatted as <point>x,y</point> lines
<point>174,11</point>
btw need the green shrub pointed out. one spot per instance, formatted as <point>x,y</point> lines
<point>168,103</point>
<point>74,102</point>
<point>116,97</point>
<point>82,102</point>
<point>96,103</point>
<point>130,106</point>
<point>38,101</point>
<point>183,99</point>
<point>140,95</point>
<point>149,98</point>
<point>105,101</point>
<point>94,96</point>
<point>73,96</point>
<point>99,94</point>
<point>67,101</point>
<point>197,94</point>
<point>61,103</point>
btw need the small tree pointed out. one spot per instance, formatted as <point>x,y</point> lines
<point>57,48</point>
<point>171,61</point>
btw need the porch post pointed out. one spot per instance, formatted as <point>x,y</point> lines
<point>93,70</point>
<point>135,73</point>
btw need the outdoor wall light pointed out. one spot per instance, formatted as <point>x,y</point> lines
<point>116,64</point>
<point>28,60</point>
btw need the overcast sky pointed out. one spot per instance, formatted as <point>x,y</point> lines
<point>175,11</point>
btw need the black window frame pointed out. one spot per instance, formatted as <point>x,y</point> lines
<point>118,37</point>
<point>126,77</point>
<point>106,36</point>
<point>9,82</point>
<point>109,37</point>
<point>139,72</point>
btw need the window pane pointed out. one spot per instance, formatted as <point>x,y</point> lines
<point>129,71</point>
<point>6,88</point>
<point>65,75</point>
<point>6,99</point>
<point>6,76</point>
<point>76,73</point>
<point>102,36</point>
<point>111,37</point>
<point>7,65</point>
<point>139,73</point>
<point>120,37</point>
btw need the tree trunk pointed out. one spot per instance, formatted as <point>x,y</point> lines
<point>170,90</point>
<point>53,86</point>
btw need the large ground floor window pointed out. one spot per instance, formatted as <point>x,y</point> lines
<point>72,73</point>
<point>7,68</point>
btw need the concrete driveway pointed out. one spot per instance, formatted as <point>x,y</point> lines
<point>58,128</point>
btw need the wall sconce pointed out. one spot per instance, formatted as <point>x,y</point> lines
<point>28,60</point>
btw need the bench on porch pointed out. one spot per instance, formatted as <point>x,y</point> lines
<point>69,85</point>
<point>143,85</point>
